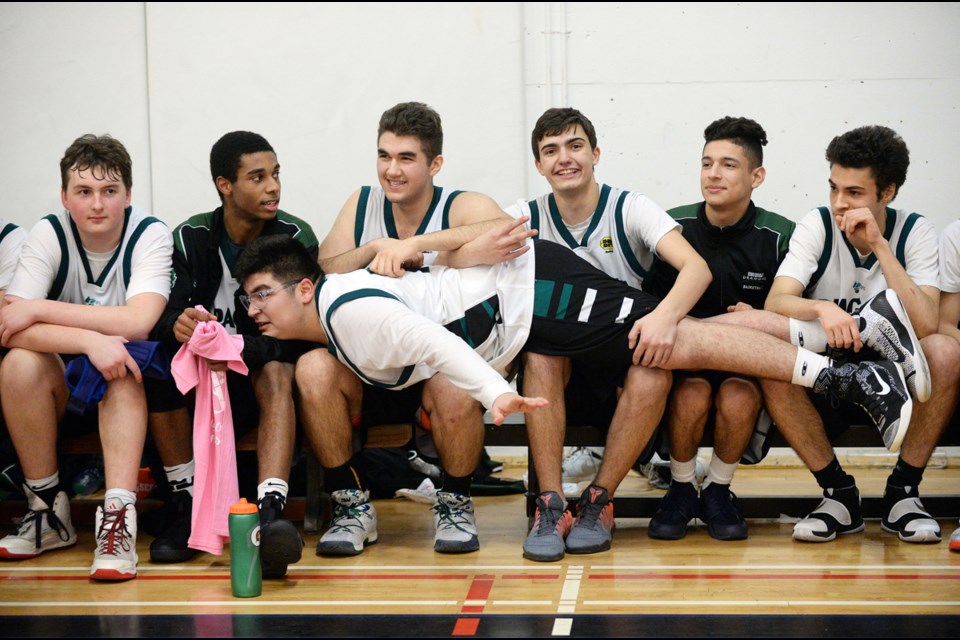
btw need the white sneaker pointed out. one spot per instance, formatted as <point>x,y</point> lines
<point>955,540</point>
<point>353,526</point>
<point>582,464</point>
<point>116,555</point>
<point>456,524</point>
<point>55,530</point>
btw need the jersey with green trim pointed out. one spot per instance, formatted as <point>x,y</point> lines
<point>950,258</point>
<point>11,240</point>
<point>375,219</point>
<point>620,238</point>
<point>390,330</point>
<point>54,265</point>
<point>830,268</point>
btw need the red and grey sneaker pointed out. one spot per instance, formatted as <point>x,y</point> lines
<point>551,524</point>
<point>592,531</point>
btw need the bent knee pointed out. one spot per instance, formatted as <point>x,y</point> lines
<point>738,397</point>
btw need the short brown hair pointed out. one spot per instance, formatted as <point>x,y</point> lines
<point>414,119</point>
<point>555,121</point>
<point>97,152</point>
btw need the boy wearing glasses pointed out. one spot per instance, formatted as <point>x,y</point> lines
<point>245,170</point>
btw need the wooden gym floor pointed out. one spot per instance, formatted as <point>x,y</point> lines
<point>868,584</point>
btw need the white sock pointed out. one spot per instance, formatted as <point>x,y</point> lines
<point>180,476</point>
<point>42,484</point>
<point>117,498</point>
<point>807,367</point>
<point>808,334</point>
<point>272,485</point>
<point>720,472</point>
<point>685,471</point>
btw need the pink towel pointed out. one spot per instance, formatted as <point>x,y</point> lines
<point>214,451</point>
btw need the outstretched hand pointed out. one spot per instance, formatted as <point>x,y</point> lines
<point>395,258</point>
<point>507,403</point>
<point>500,244</point>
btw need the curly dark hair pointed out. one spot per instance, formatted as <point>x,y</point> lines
<point>103,153</point>
<point>875,147</point>
<point>414,119</point>
<point>743,132</point>
<point>555,121</point>
<point>226,152</point>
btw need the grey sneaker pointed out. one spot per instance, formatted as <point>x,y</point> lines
<point>545,542</point>
<point>593,529</point>
<point>906,516</point>
<point>354,524</point>
<point>456,524</point>
<point>885,327</point>
<point>44,528</point>
<point>878,388</point>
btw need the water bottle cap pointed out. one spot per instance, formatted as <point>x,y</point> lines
<point>243,507</point>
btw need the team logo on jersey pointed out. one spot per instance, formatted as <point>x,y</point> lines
<point>91,302</point>
<point>857,287</point>
<point>606,243</point>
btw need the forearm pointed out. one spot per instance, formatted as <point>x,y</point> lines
<point>950,330</point>
<point>688,288</point>
<point>923,310</point>
<point>351,260</point>
<point>131,322</point>
<point>46,338</point>
<point>793,306</point>
<point>461,242</point>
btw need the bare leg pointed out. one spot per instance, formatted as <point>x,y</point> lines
<point>273,386</point>
<point>638,413</point>
<point>738,403</point>
<point>725,347</point>
<point>547,377</point>
<point>689,407</point>
<point>931,417</point>
<point>123,429</point>
<point>33,424</point>
<point>456,422</point>
<point>798,421</point>
<point>768,322</point>
<point>173,436</point>
<point>330,395</point>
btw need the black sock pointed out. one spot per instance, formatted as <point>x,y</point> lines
<point>343,477</point>
<point>833,476</point>
<point>456,484</point>
<point>905,475</point>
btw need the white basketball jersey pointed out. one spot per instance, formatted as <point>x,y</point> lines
<point>11,239</point>
<point>488,307</point>
<point>620,237</point>
<point>830,268</point>
<point>950,258</point>
<point>375,217</point>
<point>55,265</point>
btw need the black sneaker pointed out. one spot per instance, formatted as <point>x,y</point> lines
<point>879,388</point>
<point>885,327</point>
<point>720,511</point>
<point>906,516</point>
<point>170,546</point>
<point>837,514</point>
<point>280,542</point>
<point>676,510</point>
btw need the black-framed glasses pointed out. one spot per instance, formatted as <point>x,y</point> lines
<point>258,299</point>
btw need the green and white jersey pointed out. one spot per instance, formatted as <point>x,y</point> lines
<point>830,268</point>
<point>54,265</point>
<point>950,258</point>
<point>620,238</point>
<point>394,332</point>
<point>375,217</point>
<point>11,240</point>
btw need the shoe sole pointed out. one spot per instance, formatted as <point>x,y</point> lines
<point>727,537</point>
<point>542,557</point>
<point>662,534</point>
<point>9,555</point>
<point>282,543</point>
<point>341,548</point>
<point>921,370</point>
<point>906,412</point>
<point>112,575</point>
<point>816,538</point>
<point>919,537</point>
<point>954,545</point>
<point>172,556</point>
<point>457,547</point>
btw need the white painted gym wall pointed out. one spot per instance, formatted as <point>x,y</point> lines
<point>168,79</point>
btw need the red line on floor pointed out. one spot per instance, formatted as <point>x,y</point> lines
<point>531,576</point>
<point>770,576</point>
<point>480,589</point>
<point>466,627</point>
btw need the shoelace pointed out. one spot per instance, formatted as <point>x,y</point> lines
<point>547,519</point>
<point>342,518</point>
<point>451,517</point>
<point>590,514</point>
<point>35,518</point>
<point>114,537</point>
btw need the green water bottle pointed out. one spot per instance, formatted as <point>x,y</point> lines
<point>245,575</point>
